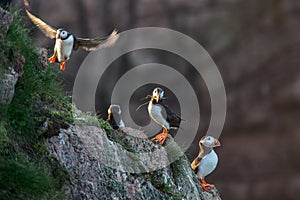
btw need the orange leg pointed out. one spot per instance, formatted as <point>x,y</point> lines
<point>62,66</point>
<point>205,185</point>
<point>52,59</point>
<point>160,138</point>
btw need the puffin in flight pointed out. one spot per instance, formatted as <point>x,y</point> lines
<point>207,160</point>
<point>65,42</point>
<point>114,117</point>
<point>155,109</point>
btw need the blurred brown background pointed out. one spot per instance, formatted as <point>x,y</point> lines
<point>256,46</point>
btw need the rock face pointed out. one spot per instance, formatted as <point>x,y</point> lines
<point>120,166</point>
<point>256,46</point>
<point>5,21</point>
<point>9,74</point>
<point>9,80</point>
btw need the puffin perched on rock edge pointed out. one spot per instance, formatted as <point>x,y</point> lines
<point>65,42</point>
<point>207,160</point>
<point>155,109</point>
<point>114,117</point>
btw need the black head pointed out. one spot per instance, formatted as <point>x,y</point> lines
<point>157,94</point>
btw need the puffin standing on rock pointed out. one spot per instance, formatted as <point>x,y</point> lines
<point>207,160</point>
<point>156,109</point>
<point>65,42</point>
<point>114,117</point>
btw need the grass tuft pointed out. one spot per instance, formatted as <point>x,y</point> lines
<point>26,170</point>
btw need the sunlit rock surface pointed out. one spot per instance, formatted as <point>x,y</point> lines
<point>123,165</point>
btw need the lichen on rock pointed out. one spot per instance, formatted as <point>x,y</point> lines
<point>121,166</point>
<point>11,74</point>
<point>9,80</point>
<point>6,19</point>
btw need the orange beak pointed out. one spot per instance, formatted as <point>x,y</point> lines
<point>218,143</point>
<point>58,35</point>
<point>157,98</point>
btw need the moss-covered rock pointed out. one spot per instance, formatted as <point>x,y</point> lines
<point>41,157</point>
<point>123,166</point>
<point>29,96</point>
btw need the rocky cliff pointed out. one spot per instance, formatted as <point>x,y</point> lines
<point>123,164</point>
<point>12,68</point>
<point>256,47</point>
<point>44,155</point>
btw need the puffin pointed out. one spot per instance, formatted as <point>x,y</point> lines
<point>114,117</point>
<point>207,160</point>
<point>65,42</point>
<point>156,110</point>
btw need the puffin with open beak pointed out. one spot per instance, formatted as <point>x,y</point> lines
<point>65,42</point>
<point>155,109</point>
<point>207,160</point>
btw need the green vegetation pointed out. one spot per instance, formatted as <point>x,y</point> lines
<point>87,119</point>
<point>26,170</point>
<point>165,185</point>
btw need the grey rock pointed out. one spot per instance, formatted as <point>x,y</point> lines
<point>6,19</point>
<point>10,74</point>
<point>9,80</point>
<point>119,165</point>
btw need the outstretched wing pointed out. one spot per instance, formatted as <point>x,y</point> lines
<point>45,28</point>
<point>96,43</point>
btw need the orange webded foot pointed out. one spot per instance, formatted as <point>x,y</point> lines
<point>52,59</point>
<point>62,66</point>
<point>160,138</point>
<point>206,186</point>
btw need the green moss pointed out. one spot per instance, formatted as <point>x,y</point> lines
<point>105,126</point>
<point>167,186</point>
<point>21,180</point>
<point>87,119</point>
<point>36,84</point>
<point>26,169</point>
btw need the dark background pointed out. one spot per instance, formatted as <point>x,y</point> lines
<point>256,46</point>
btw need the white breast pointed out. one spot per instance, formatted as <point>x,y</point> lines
<point>207,164</point>
<point>121,125</point>
<point>64,48</point>
<point>155,112</point>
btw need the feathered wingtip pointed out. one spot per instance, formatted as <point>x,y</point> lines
<point>112,38</point>
<point>26,3</point>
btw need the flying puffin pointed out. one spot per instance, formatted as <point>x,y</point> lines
<point>155,109</point>
<point>207,160</point>
<point>114,117</point>
<point>65,42</point>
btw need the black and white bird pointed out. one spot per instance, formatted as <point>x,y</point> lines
<point>114,117</point>
<point>65,42</point>
<point>156,109</point>
<point>207,160</point>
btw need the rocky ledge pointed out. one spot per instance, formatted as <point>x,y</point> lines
<point>123,164</point>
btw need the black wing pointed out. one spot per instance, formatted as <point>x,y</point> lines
<point>111,120</point>
<point>173,119</point>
